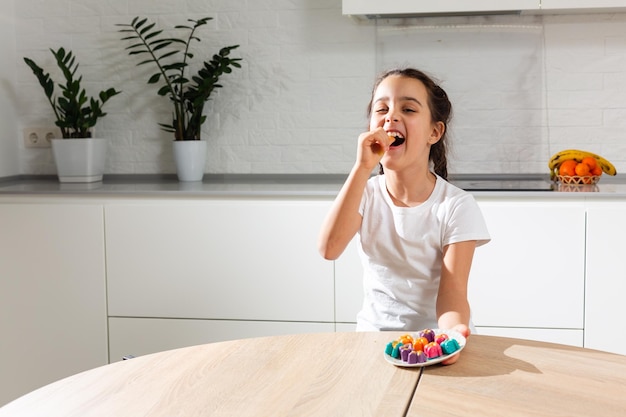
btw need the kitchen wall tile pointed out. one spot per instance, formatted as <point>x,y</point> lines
<point>522,87</point>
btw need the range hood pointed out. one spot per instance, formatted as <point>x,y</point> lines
<point>375,9</point>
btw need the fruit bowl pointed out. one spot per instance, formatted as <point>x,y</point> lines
<point>576,180</point>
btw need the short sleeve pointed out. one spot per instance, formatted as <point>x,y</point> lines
<point>466,222</point>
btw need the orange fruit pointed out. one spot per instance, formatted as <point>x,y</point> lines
<point>568,168</point>
<point>597,171</point>
<point>582,170</point>
<point>591,161</point>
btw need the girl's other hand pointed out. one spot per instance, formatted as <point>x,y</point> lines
<point>465,331</point>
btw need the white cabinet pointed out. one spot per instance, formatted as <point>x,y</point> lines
<point>528,281</point>
<point>348,284</point>
<point>570,337</point>
<point>605,306</point>
<point>236,260</point>
<point>188,271</point>
<point>141,336</point>
<point>531,275</point>
<point>52,294</point>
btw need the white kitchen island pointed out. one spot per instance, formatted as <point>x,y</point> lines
<point>135,267</point>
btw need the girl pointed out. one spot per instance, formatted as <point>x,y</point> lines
<point>417,231</point>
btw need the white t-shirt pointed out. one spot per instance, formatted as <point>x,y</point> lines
<point>401,250</point>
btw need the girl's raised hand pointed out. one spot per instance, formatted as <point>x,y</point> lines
<point>372,147</point>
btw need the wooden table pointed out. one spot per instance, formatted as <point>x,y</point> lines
<point>340,374</point>
<point>498,376</point>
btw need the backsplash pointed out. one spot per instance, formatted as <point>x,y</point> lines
<point>493,71</point>
<point>522,87</point>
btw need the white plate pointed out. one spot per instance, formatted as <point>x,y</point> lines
<point>452,334</point>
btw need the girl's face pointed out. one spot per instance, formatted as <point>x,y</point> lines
<point>400,107</point>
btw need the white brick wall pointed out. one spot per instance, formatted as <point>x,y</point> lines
<point>522,87</point>
<point>8,112</point>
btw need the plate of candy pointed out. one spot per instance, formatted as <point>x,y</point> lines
<point>424,348</point>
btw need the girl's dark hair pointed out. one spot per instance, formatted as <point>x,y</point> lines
<point>440,110</point>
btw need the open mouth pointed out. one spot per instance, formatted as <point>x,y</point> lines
<point>397,139</point>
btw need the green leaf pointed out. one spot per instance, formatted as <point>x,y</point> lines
<point>155,78</point>
<point>175,66</point>
<point>167,54</point>
<point>164,90</point>
<point>139,24</point>
<point>137,45</point>
<point>161,46</point>
<point>147,61</point>
<point>153,34</point>
<point>167,128</point>
<point>160,41</point>
<point>147,28</point>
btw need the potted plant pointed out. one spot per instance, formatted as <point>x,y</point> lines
<point>188,94</point>
<point>78,156</point>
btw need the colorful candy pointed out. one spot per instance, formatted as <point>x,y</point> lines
<point>416,356</point>
<point>433,350</point>
<point>395,352</point>
<point>450,346</point>
<point>425,346</point>
<point>429,334</point>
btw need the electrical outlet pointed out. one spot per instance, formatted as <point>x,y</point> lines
<point>40,137</point>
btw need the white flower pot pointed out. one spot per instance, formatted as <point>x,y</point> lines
<point>190,158</point>
<point>79,160</point>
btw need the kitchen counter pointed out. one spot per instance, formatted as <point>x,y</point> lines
<point>298,185</point>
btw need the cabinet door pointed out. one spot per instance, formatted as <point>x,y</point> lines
<point>348,284</point>
<point>52,294</point>
<point>238,259</point>
<point>141,336</point>
<point>605,296</point>
<point>563,336</point>
<point>532,272</point>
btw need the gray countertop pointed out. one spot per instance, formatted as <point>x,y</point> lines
<point>302,185</point>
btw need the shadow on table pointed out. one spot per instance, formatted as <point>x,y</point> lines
<point>489,356</point>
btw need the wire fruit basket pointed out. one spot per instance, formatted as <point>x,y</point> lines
<point>576,180</point>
